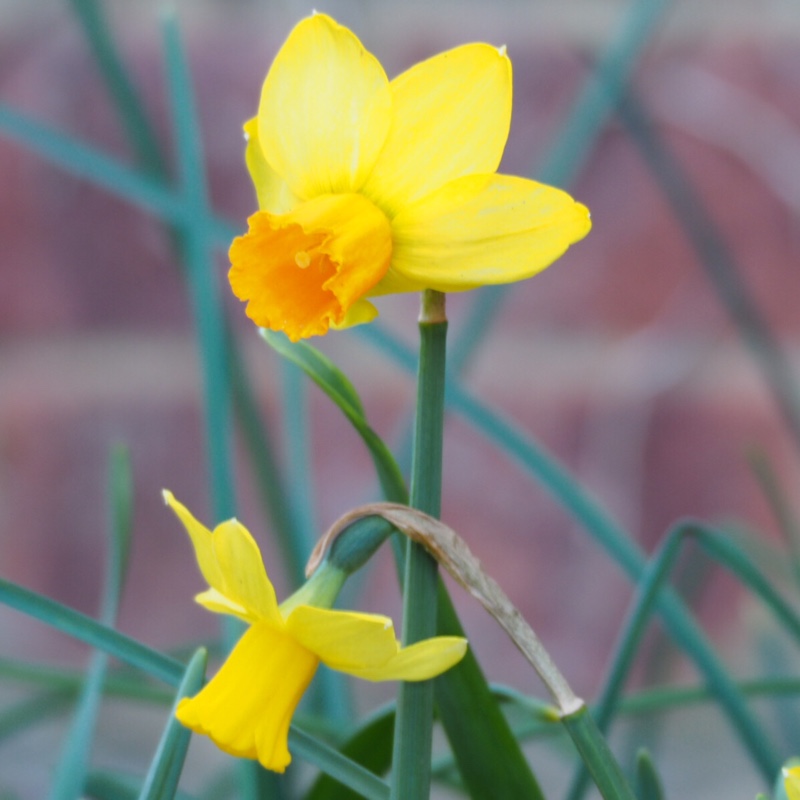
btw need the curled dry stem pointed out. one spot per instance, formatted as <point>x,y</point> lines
<point>450,550</point>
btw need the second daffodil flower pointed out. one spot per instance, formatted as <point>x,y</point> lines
<point>791,782</point>
<point>247,707</point>
<point>368,186</point>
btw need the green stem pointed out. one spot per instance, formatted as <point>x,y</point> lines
<point>411,770</point>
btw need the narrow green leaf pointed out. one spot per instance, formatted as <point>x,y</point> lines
<point>320,369</point>
<point>339,767</point>
<point>370,746</point>
<point>108,785</point>
<point>488,755</point>
<point>89,163</point>
<point>777,497</point>
<point>121,523</point>
<point>335,384</point>
<point>648,784</point>
<point>269,479</point>
<point>130,686</point>
<point>597,756</point>
<point>88,630</point>
<point>165,770</point>
<point>299,484</point>
<point>72,766</point>
<point>206,302</point>
<point>633,628</point>
<point>129,106</point>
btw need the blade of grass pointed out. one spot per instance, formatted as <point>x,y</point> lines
<point>162,778</point>
<point>68,682</point>
<point>333,763</point>
<point>88,630</point>
<point>129,106</point>
<point>107,785</point>
<point>597,756</point>
<point>73,764</point>
<point>370,745</point>
<point>788,522</point>
<point>299,473</point>
<point>647,596</point>
<point>269,478</point>
<point>338,388</point>
<point>90,164</point>
<point>206,303</point>
<point>648,784</point>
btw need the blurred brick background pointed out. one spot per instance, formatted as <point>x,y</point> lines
<point>619,358</point>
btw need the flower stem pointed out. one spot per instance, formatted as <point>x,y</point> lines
<point>411,769</point>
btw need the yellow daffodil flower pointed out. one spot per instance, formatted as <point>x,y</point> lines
<point>791,782</point>
<point>248,705</point>
<point>368,186</point>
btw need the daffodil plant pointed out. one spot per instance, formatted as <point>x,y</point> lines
<point>365,187</point>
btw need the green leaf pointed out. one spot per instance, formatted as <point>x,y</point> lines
<point>634,626</point>
<point>338,766</point>
<point>165,770</point>
<point>72,766</point>
<point>73,623</point>
<point>597,756</point>
<point>335,384</point>
<point>648,784</point>
<point>370,746</point>
<point>488,755</point>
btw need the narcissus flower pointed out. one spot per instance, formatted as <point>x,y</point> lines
<point>368,186</point>
<point>248,705</point>
<point>791,782</point>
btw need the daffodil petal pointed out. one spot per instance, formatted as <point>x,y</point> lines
<point>302,272</point>
<point>248,705</point>
<point>325,109</point>
<point>230,562</point>
<point>417,662</point>
<point>344,640</point>
<point>202,542</point>
<point>274,194</point>
<point>245,580</point>
<point>484,229</point>
<point>450,117</point>
<point>361,312</point>
<point>212,600</point>
<point>791,782</point>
